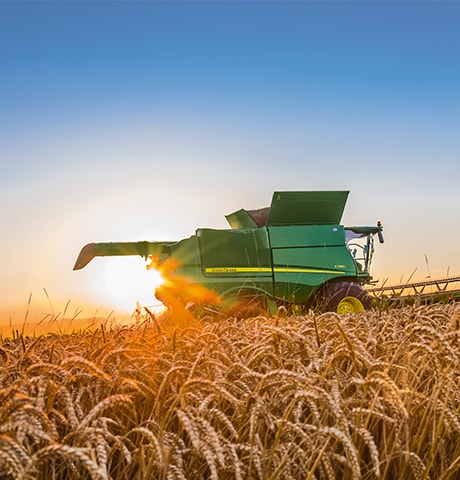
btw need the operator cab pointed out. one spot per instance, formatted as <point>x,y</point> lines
<point>360,242</point>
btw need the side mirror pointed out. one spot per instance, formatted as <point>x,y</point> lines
<point>379,233</point>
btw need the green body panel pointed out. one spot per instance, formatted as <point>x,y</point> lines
<point>306,235</point>
<point>241,219</point>
<point>285,252</point>
<point>202,259</point>
<point>236,260</point>
<point>299,271</point>
<point>235,251</point>
<point>307,208</point>
<point>305,257</point>
<point>187,253</point>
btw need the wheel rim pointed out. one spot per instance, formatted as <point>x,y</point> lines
<point>350,305</point>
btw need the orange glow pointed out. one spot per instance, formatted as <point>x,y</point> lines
<point>177,292</point>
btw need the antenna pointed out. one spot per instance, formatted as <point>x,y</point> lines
<point>427,266</point>
<point>411,275</point>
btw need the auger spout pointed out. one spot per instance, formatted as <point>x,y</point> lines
<point>143,249</point>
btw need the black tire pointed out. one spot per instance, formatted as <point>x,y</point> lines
<point>342,297</point>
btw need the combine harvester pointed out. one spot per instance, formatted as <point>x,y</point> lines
<point>293,254</point>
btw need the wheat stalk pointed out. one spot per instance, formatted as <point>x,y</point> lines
<point>66,452</point>
<point>109,402</point>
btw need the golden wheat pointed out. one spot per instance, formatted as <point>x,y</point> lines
<point>374,395</point>
<point>67,453</point>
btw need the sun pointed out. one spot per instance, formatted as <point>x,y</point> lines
<point>128,283</point>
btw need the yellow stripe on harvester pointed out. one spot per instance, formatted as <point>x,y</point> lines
<point>268,270</point>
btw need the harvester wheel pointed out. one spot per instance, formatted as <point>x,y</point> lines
<point>342,297</point>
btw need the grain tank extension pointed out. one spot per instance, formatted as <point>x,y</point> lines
<point>294,253</point>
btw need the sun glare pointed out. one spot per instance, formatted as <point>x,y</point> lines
<point>129,283</point>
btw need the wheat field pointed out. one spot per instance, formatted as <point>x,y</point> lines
<point>368,396</point>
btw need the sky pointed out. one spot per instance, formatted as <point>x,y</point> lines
<point>131,120</point>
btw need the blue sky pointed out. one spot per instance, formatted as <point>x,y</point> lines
<point>145,120</point>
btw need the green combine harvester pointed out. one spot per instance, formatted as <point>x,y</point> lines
<point>293,254</point>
